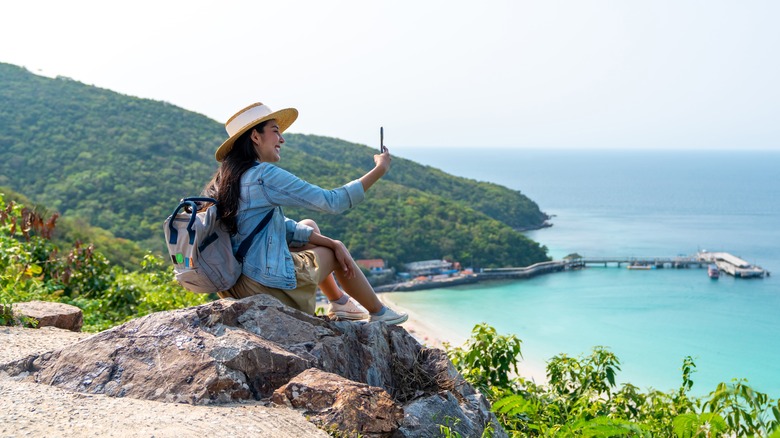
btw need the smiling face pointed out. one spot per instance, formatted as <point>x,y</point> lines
<point>268,143</point>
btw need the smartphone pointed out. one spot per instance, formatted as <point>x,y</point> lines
<point>382,140</point>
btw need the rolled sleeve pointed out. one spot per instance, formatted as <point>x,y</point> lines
<point>355,192</point>
<point>297,234</point>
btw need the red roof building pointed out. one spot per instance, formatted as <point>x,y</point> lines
<point>371,264</point>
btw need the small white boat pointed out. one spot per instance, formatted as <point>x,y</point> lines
<point>640,266</point>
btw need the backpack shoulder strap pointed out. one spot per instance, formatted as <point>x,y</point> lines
<point>247,243</point>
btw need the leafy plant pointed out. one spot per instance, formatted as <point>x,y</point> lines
<point>699,425</point>
<point>488,359</point>
<point>8,318</point>
<point>6,314</point>
<point>745,410</point>
<point>447,431</point>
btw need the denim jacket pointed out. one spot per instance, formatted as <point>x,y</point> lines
<point>267,186</point>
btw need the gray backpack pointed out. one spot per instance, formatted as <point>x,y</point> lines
<point>200,248</point>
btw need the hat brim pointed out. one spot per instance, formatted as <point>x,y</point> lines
<point>284,118</point>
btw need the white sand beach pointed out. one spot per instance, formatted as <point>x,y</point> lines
<point>426,334</point>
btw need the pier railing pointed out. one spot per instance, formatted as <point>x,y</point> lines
<point>658,262</point>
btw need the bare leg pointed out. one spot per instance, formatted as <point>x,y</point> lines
<point>357,287</point>
<point>328,286</point>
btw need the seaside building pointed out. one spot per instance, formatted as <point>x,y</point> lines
<point>372,265</point>
<point>378,272</point>
<point>428,267</point>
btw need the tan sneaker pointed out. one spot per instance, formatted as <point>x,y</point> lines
<point>350,311</point>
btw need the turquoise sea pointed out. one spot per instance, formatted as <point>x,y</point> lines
<point>632,203</point>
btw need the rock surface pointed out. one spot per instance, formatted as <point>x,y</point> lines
<point>231,351</point>
<point>332,401</point>
<point>28,409</point>
<point>48,314</point>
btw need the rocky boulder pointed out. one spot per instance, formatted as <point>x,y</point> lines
<point>329,400</point>
<point>351,376</point>
<point>48,314</point>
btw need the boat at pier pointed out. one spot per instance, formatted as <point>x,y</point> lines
<point>733,265</point>
<point>713,271</point>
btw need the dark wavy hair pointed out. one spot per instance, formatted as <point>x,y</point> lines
<point>225,186</point>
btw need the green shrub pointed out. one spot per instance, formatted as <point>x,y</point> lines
<point>7,317</point>
<point>33,268</point>
<point>581,397</point>
<point>487,359</point>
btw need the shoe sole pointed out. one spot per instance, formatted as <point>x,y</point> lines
<point>401,319</point>
<point>349,316</point>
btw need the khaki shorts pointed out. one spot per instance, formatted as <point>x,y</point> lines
<point>307,275</point>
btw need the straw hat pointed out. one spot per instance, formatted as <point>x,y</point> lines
<point>250,116</point>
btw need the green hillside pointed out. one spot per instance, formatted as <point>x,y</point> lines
<point>120,163</point>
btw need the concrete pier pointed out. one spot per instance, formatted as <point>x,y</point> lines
<point>732,264</point>
<point>726,262</point>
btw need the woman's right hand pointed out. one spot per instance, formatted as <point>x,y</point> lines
<point>381,167</point>
<point>382,160</point>
<point>343,258</point>
<point>340,251</point>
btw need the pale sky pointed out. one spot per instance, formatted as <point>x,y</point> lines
<point>563,74</point>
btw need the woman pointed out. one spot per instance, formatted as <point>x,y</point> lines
<point>248,186</point>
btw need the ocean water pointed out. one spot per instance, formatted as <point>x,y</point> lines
<point>632,203</point>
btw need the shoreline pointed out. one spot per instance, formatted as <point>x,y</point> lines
<point>540,268</point>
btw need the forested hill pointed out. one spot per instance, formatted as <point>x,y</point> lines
<point>121,163</point>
